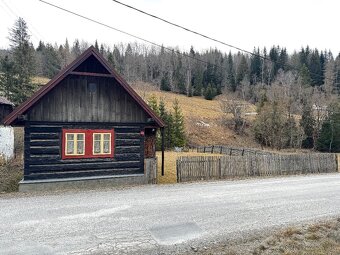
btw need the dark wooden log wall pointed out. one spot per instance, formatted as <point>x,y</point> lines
<point>43,152</point>
<point>74,100</point>
<point>5,109</point>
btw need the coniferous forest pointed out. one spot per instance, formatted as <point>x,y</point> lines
<point>305,82</point>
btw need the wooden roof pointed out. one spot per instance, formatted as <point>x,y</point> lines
<point>70,69</point>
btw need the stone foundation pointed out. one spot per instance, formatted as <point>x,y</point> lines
<point>149,176</point>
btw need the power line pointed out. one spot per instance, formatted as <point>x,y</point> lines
<point>209,37</point>
<point>126,33</point>
<point>189,30</point>
<point>156,44</point>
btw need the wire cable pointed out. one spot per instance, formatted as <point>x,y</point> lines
<point>161,46</point>
<point>207,37</point>
<point>126,33</point>
<point>188,29</point>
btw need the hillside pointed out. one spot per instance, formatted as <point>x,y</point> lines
<point>203,118</point>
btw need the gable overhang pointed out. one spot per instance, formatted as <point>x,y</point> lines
<point>24,107</point>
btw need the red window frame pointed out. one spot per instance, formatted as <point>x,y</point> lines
<point>88,143</point>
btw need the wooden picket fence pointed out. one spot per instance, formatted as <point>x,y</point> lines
<point>193,168</point>
<point>232,151</point>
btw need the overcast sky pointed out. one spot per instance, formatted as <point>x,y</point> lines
<point>243,23</point>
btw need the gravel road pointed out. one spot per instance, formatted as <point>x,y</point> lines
<point>161,219</point>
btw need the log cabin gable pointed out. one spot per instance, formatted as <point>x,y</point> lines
<point>87,90</point>
<point>82,98</point>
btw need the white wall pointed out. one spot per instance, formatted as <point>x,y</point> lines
<point>6,142</point>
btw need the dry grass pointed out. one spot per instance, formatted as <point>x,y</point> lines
<point>315,239</point>
<point>196,109</point>
<point>321,238</point>
<point>39,80</point>
<point>170,172</point>
<point>11,173</point>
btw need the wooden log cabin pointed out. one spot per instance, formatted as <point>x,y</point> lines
<point>86,122</point>
<point>6,107</point>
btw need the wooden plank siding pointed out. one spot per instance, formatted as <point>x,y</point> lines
<point>43,151</point>
<point>72,101</point>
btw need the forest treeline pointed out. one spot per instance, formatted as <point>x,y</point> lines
<point>297,93</point>
<point>195,73</point>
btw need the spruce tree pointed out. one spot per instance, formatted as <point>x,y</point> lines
<point>329,139</point>
<point>152,102</point>
<point>7,77</point>
<point>230,74</point>
<point>51,61</point>
<point>165,83</point>
<point>76,49</point>
<point>242,70</point>
<point>307,122</point>
<point>210,92</point>
<point>24,61</point>
<point>178,125</point>
<point>304,76</point>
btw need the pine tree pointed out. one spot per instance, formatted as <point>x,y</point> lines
<point>168,131</point>
<point>255,67</point>
<point>7,77</point>
<point>76,49</point>
<point>24,61</point>
<point>329,139</point>
<point>304,76</point>
<point>152,102</point>
<point>51,61</point>
<point>307,122</point>
<point>231,83</point>
<point>178,126</point>
<point>111,60</point>
<point>102,49</point>
<point>242,70</point>
<point>96,45</point>
<point>165,83</point>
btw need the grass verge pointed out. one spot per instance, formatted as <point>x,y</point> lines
<point>11,172</point>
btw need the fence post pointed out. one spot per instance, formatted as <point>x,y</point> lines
<point>177,170</point>
<point>220,167</point>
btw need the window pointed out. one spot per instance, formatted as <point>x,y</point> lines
<point>101,143</point>
<point>75,144</point>
<point>87,143</point>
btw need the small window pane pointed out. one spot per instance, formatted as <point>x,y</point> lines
<point>80,137</point>
<point>97,137</point>
<point>96,146</point>
<point>106,137</point>
<point>80,147</point>
<point>69,147</point>
<point>106,147</point>
<point>70,137</point>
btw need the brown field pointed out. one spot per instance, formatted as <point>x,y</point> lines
<point>196,109</point>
